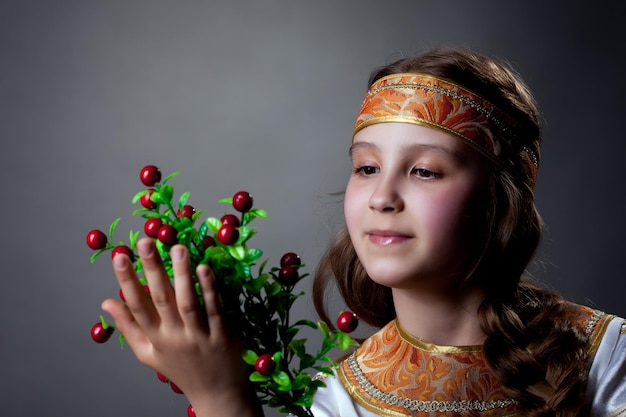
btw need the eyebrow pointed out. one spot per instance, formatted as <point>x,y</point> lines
<point>417,147</point>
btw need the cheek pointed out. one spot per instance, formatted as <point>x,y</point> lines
<point>350,206</point>
<point>450,216</point>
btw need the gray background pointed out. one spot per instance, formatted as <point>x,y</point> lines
<point>255,95</point>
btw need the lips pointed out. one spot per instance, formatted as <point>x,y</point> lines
<point>387,237</point>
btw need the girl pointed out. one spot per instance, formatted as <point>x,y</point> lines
<point>440,226</point>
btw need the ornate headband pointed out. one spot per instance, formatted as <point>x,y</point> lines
<point>431,101</point>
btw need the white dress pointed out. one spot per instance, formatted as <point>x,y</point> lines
<point>448,387</point>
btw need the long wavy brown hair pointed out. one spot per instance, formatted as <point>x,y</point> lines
<point>537,354</point>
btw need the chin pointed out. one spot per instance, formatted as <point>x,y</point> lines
<point>390,277</point>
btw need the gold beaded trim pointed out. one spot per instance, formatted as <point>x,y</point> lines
<point>592,321</point>
<point>622,329</point>
<point>320,376</point>
<point>423,406</point>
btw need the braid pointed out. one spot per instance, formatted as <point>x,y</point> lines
<point>524,348</point>
<point>534,350</point>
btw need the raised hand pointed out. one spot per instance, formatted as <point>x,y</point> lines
<point>171,333</point>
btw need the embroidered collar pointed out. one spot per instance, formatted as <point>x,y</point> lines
<point>395,374</point>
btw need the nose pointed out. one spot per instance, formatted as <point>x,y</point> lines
<point>386,196</point>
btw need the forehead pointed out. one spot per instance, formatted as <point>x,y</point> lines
<point>407,137</point>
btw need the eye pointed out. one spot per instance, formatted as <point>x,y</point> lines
<point>425,173</point>
<point>366,170</point>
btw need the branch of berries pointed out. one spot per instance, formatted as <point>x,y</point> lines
<point>258,303</point>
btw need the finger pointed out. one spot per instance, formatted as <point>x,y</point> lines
<point>127,325</point>
<point>212,303</point>
<point>161,290</point>
<point>185,293</point>
<point>139,305</point>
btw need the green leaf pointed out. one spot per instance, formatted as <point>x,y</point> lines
<point>297,347</point>
<point>183,199</point>
<point>282,379</point>
<point>273,289</point>
<point>202,231</point>
<point>197,214</point>
<point>308,323</point>
<point>243,270</point>
<point>141,210</point>
<point>188,230</point>
<point>250,357</point>
<point>301,381</point>
<point>214,224</point>
<point>96,254</point>
<point>245,233</point>
<point>307,361</point>
<point>139,195</point>
<point>122,340</point>
<point>228,200</point>
<point>324,329</point>
<point>257,377</point>
<point>166,192</point>
<point>344,341</point>
<point>277,357</point>
<point>254,285</point>
<point>112,228</point>
<point>315,384</point>
<point>159,198</point>
<point>132,239</point>
<point>258,213</point>
<point>105,325</point>
<point>304,401</point>
<point>253,255</point>
<point>169,177</point>
<point>238,252</point>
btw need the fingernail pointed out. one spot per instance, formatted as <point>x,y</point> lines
<point>118,263</point>
<point>145,248</point>
<point>177,253</point>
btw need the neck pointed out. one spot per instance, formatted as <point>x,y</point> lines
<point>441,319</point>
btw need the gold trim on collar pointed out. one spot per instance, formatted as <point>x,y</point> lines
<point>431,347</point>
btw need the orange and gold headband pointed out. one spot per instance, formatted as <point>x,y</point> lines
<point>431,101</point>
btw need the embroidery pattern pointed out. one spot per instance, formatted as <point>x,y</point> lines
<point>423,406</point>
<point>394,374</point>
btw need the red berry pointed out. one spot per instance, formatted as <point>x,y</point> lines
<point>146,202</point>
<point>162,377</point>
<point>242,201</point>
<point>122,295</point>
<point>188,211</point>
<point>96,239</point>
<point>228,235</point>
<point>167,234</point>
<point>99,334</point>
<point>290,258</point>
<point>265,364</point>
<point>150,175</point>
<point>230,219</point>
<point>146,290</point>
<point>288,275</point>
<point>175,388</point>
<point>152,226</point>
<point>190,411</point>
<point>123,249</point>
<point>347,321</point>
<point>208,242</point>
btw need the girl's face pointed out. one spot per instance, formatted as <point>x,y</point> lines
<point>410,205</point>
